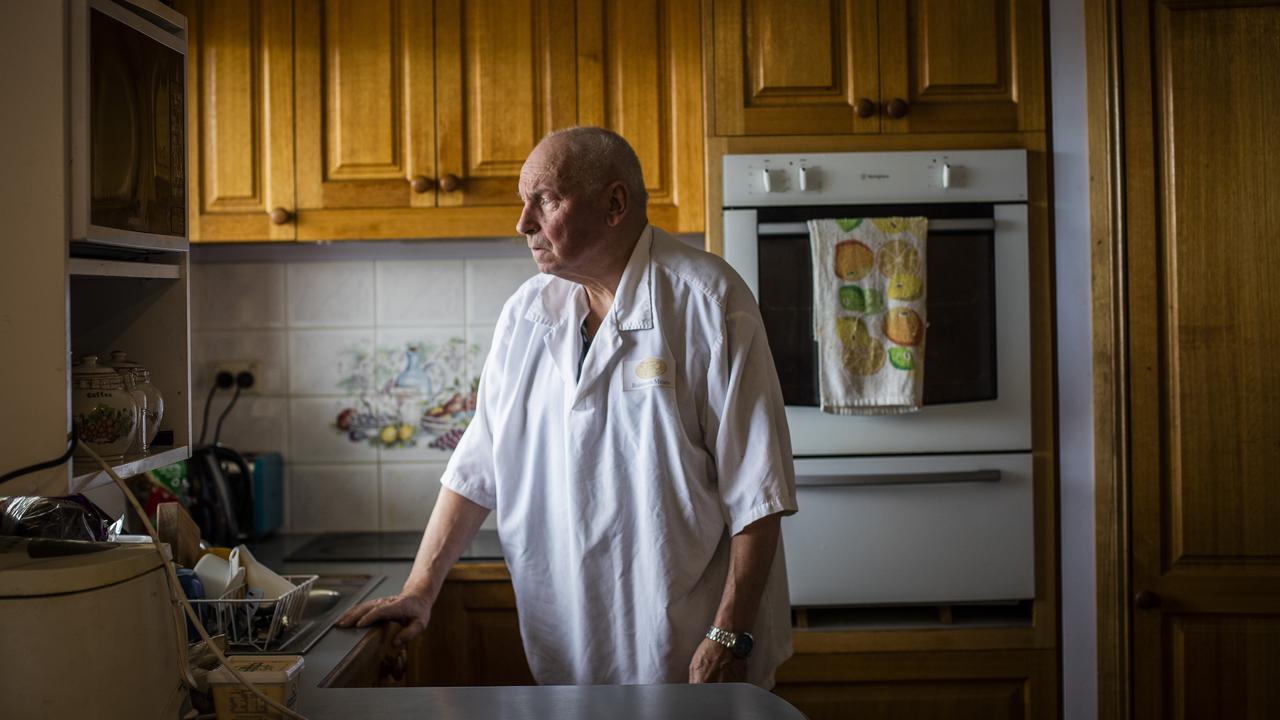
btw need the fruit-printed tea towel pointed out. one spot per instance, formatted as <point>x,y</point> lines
<point>869,313</point>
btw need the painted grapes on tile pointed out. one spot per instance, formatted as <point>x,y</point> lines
<point>420,392</point>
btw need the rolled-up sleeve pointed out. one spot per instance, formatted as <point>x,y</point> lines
<point>470,471</point>
<point>746,428</point>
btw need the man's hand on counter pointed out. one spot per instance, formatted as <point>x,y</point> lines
<point>409,609</point>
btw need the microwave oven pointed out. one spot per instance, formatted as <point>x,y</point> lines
<point>128,124</point>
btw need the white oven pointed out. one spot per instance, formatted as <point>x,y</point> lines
<point>927,507</point>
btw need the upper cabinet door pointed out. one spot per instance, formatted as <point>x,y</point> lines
<point>240,116</point>
<point>640,75</point>
<point>961,65</point>
<point>365,104</point>
<point>506,76</point>
<point>795,68</point>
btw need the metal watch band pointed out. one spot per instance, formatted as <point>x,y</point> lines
<point>724,637</point>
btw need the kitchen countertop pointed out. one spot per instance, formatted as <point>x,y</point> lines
<point>739,701</point>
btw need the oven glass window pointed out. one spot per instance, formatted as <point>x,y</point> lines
<point>138,177</point>
<point>960,343</point>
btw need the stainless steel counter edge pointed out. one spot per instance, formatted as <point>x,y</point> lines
<point>618,702</point>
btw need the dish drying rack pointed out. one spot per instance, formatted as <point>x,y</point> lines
<point>256,622</point>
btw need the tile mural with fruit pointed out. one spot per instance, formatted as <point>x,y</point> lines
<point>420,392</point>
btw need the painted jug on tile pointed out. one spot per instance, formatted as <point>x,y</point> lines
<point>103,412</point>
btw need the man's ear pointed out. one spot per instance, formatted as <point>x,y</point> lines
<point>618,203</point>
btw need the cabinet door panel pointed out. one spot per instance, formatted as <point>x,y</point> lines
<point>639,74</point>
<point>794,68</point>
<point>962,65</point>
<point>240,70</point>
<point>366,123</point>
<point>506,75</point>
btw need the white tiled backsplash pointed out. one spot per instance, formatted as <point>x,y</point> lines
<point>331,328</point>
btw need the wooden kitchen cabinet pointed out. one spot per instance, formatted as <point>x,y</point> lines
<point>832,67</point>
<point>986,685</point>
<point>336,119</point>
<point>240,120</point>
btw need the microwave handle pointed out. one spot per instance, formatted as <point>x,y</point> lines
<point>928,478</point>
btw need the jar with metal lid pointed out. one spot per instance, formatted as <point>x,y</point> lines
<point>153,411</point>
<point>103,411</point>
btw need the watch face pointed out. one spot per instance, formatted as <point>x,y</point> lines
<point>742,646</point>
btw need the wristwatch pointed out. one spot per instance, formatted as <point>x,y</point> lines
<point>739,644</point>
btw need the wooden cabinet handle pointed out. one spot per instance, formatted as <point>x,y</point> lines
<point>280,216</point>
<point>897,108</point>
<point>450,182</point>
<point>420,183</point>
<point>1147,600</point>
<point>864,108</point>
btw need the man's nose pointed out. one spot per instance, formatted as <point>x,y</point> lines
<point>526,225</point>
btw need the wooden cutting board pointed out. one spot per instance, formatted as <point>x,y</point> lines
<point>175,527</point>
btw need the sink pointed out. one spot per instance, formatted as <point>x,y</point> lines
<point>321,601</point>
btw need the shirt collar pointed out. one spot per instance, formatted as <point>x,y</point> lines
<point>632,303</point>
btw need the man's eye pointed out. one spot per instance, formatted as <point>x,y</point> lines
<point>547,202</point>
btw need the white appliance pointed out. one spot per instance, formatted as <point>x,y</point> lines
<point>128,70</point>
<point>87,630</point>
<point>926,507</point>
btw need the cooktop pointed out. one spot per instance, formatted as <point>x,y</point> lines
<point>386,546</point>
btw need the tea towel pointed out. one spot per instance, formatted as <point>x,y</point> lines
<point>869,313</point>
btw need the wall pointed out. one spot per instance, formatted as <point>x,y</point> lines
<point>33,203</point>
<point>1075,357</point>
<point>352,339</point>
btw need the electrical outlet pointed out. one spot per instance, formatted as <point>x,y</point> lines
<point>235,367</point>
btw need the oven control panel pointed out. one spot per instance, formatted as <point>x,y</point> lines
<point>865,178</point>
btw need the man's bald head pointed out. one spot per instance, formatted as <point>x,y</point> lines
<point>591,158</point>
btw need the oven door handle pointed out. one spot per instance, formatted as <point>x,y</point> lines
<point>940,225</point>
<point>927,478</point>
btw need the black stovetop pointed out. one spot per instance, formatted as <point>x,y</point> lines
<point>385,546</point>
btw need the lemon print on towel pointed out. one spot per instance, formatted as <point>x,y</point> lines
<point>905,286</point>
<point>862,300</point>
<point>863,354</point>
<point>898,257</point>
<point>903,326</point>
<point>892,226</point>
<point>853,260</point>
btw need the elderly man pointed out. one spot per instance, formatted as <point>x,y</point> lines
<point>630,435</point>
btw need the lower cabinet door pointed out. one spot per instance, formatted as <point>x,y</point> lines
<point>923,686</point>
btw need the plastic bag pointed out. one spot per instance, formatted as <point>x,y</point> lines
<point>74,517</point>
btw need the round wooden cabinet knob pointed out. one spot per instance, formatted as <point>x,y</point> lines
<point>897,108</point>
<point>864,107</point>
<point>1147,600</point>
<point>280,216</point>
<point>450,182</point>
<point>420,183</point>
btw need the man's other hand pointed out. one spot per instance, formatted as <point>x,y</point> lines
<point>409,609</point>
<point>713,662</point>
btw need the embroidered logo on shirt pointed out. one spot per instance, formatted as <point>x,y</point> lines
<point>647,373</point>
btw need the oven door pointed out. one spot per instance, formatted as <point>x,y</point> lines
<point>977,390</point>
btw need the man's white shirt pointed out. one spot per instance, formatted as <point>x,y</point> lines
<point>616,491</point>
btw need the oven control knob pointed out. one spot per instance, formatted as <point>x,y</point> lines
<point>766,180</point>
<point>946,176</point>
<point>802,178</point>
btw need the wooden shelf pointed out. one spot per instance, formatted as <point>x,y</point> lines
<point>89,267</point>
<point>88,475</point>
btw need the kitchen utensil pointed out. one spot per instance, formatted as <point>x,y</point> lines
<point>175,526</point>
<point>216,575</point>
<point>154,406</point>
<point>262,577</point>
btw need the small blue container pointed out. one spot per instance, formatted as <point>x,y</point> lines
<point>194,590</point>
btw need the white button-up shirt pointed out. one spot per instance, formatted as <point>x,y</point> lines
<point>616,491</point>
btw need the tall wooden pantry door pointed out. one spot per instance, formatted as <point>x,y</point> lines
<point>1197,290</point>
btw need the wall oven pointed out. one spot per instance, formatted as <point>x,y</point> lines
<point>128,124</point>
<point>927,507</point>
